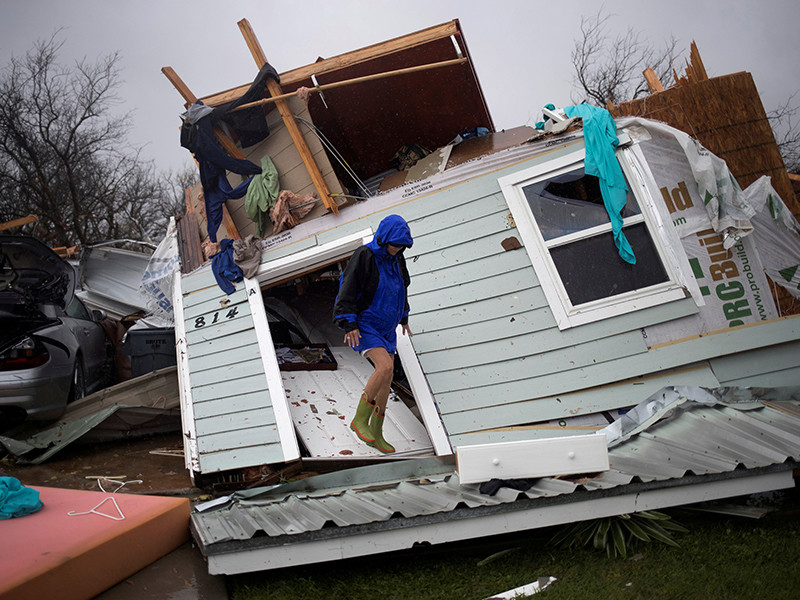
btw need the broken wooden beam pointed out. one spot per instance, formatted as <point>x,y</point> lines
<point>18,222</point>
<point>274,88</point>
<point>653,82</point>
<point>373,77</point>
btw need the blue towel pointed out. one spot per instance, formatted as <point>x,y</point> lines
<point>17,500</point>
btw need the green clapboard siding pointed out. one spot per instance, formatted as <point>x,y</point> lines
<point>459,274</point>
<point>584,402</point>
<point>246,395</point>
<point>230,421</point>
<point>259,454</point>
<point>251,436</point>
<point>508,305</point>
<point>764,361</point>
<point>227,344</point>
<point>511,366</point>
<point>250,364</point>
<point>234,423</point>
<point>657,359</point>
<point>781,378</point>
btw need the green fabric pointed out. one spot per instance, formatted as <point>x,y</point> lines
<point>262,193</point>
<point>16,500</point>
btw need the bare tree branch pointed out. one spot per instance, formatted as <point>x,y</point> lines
<point>63,152</point>
<point>609,68</point>
<point>786,128</point>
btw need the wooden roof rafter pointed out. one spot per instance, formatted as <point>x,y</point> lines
<point>348,59</point>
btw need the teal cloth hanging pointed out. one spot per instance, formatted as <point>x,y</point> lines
<point>262,194</point>
<point>600,135</point>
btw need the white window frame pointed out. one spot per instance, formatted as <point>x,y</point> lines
<point>566,314</point>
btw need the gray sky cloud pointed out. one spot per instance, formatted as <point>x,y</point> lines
<point>521,49</point>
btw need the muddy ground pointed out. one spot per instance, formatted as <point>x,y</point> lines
<point>156,461</point>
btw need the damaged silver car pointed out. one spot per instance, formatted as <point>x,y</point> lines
<point>53,350</point>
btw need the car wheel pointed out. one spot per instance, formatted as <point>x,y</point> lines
<point>78,389</point>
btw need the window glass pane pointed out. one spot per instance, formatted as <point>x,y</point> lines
<point>569,203</point>
<point>591,269</point>
<point>77,310</point>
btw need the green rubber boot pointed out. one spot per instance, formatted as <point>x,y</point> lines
<point>376,430</point>
<point>360,423</point>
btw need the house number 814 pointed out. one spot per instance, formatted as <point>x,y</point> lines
<point>201,321</point>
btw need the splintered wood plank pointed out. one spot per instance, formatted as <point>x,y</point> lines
<point>653,82</point>
<point>288,118</point>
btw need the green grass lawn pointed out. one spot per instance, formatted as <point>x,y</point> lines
<point>720,557</point>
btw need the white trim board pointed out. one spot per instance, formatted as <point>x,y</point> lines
<point>191,452</point>
<point>277,394</point>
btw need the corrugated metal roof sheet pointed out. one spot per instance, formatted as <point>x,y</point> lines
<point>689,439</point>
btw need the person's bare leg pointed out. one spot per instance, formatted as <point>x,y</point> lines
<point>380,381</point>
<point>379,385</point>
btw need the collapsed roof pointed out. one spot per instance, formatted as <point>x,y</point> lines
<point>365,120</point>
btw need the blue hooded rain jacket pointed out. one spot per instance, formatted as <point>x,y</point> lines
<point>372,290</point>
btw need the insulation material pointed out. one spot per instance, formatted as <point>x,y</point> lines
<point>777,235</point>
<point>715,227</point>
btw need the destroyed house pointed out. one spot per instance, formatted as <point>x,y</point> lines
<point>527,323</point>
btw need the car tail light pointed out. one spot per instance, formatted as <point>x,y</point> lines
<point>26,354</point>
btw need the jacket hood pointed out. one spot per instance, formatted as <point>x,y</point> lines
<point>31,274</point>
<point>394,230</point>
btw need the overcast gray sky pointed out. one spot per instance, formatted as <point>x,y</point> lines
<point>521,49</point>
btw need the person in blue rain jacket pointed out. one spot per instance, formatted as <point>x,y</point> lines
<point>371,303</point>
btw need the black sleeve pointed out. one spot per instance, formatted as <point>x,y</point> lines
<point>353,284</point>
<point>407,282</point>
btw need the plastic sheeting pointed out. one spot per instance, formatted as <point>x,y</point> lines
<point>157,280</point>
<point>730,236</point>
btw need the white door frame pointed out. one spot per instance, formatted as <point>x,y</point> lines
<point>305,260</point>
